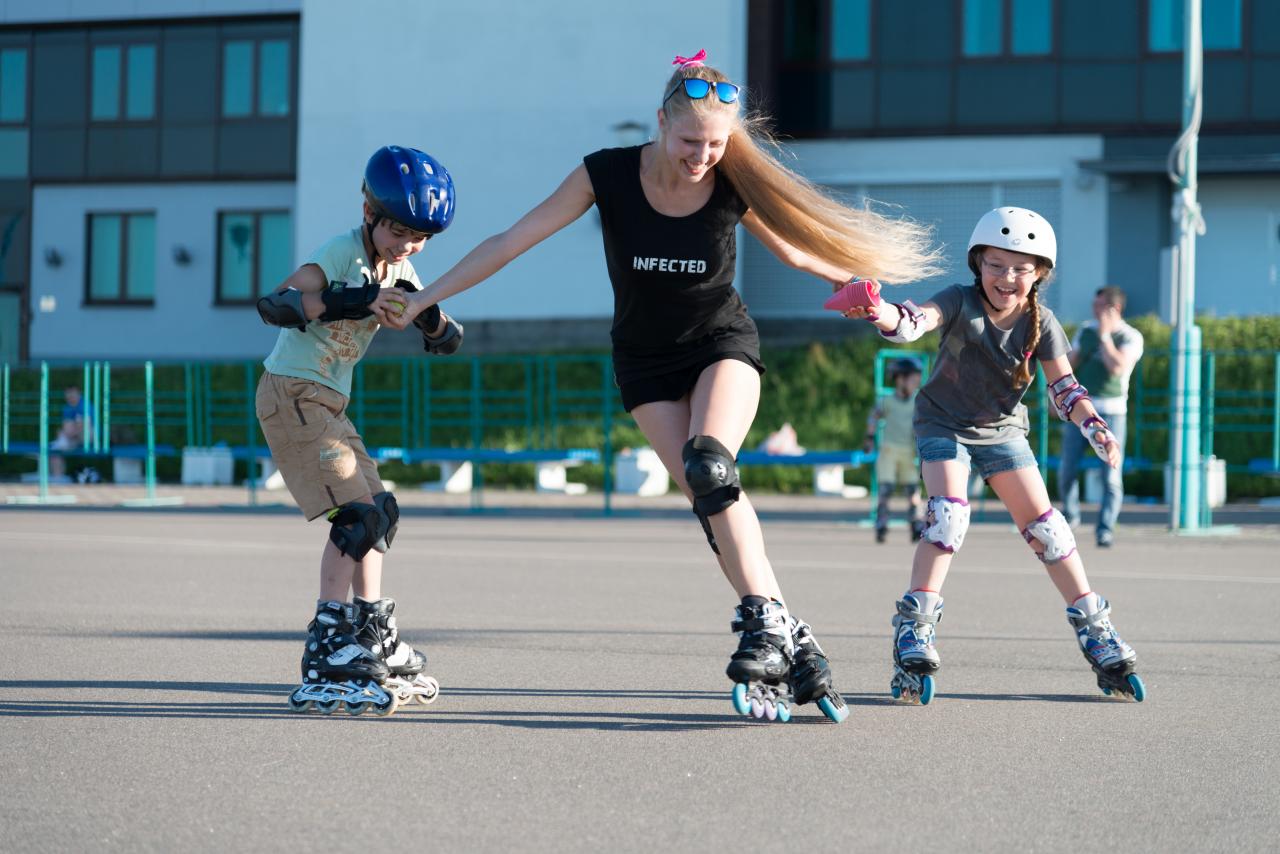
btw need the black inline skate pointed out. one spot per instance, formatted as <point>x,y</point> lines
<point>376,630</point>
<point>760,666</point>
<point>811,673</point>
<point>337,671</point>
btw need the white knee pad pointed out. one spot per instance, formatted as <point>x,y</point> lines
<point>947,521</point>
<point>1052,530</point>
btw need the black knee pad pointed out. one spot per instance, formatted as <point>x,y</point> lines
<point>386,504</point>
<point>357,528</point>
<point>711,474</point>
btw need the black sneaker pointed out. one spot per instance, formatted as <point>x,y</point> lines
<point>881,533</point>
<point>1105,539</point>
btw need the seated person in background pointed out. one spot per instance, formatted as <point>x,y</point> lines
<point>76,415</point>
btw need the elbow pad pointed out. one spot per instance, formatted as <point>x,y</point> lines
<point>348,302</point>
<point>283,309</point>
<point>910,320</point>
<point>447,342</point>
<point>1066,392</point>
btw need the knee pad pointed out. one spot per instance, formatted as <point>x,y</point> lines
<point>711,474</point>
<point>1052,530</point>
<point>946,521</point>
<point>357,528</point>
<point>386,504</point>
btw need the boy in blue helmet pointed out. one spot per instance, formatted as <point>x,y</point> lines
<point>354,655</point>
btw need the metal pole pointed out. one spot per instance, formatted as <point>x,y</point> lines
<point>1185,481</point>
<point>4,392</point>
<point>44,431</point>
<point>151,437</point>
<point>105,415</point>
<point>251,425</point>
<point>86,397</point>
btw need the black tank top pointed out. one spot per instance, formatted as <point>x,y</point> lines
<point>674,303</point>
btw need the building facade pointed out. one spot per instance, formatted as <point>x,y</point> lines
<point>164,163</point>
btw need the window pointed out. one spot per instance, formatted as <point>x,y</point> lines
<point>255,254</point>
<point>13,85</point>
<point>256,78</point>
<point>1219,19</point>
<point>122,259</point>
<point>124,82</point>
<point>850,30</point>
<point>1008,27</point>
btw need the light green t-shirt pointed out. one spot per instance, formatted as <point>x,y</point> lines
<point>898,414</point>
<point>326,352</point>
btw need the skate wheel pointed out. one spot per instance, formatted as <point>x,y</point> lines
<point>832,711</point>
<point>359,707</point>
<point>382,708</point>
<point>327,707</point>
<point>757,708</point>
<point>740,702</point>
<point>430,690</point>
<point>770,710</point>
<point>926,690</point>
<point>784,712</point>
<point>896,690</point>
<point>1137,686</point>
<point>1106,692</point>
<point>297,704</point>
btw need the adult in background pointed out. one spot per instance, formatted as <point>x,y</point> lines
<point>1103,354</point>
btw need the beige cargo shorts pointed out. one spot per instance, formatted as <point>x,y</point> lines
<point>316,447</point>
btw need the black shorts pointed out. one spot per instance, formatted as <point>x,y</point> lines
<point>678,383</point>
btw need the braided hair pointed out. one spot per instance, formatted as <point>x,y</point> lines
<point>1022,375</point>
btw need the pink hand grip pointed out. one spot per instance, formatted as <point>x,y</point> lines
<point>859,292</point>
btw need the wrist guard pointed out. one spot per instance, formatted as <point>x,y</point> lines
<point>348,302</point>
<point>1066,392</point>
<point>909,326</point>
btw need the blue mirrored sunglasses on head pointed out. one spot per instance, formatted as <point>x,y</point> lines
<point>697,89</point>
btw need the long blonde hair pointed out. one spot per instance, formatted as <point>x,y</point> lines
<point>858,239</point>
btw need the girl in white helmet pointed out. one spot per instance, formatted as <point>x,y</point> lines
<point>970,413</point>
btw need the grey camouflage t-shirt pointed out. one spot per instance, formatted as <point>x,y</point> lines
<point>970,395</point>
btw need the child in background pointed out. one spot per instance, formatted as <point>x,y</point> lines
<point>896,455</point>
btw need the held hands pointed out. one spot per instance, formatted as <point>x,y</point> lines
<point>1101,440</point>
<point>394,308</point>
<point>858,299</point>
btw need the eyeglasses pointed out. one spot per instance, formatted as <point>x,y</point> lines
<point>1000,272</point>
<point>697,89</point>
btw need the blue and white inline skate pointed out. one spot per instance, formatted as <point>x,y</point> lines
<point>376,630</point>
<point>915,658</point>
<point>337,671</point>
<point>810,677</point>
<point>1110,657</point>
<point>762,663</point>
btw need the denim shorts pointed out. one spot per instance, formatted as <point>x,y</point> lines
<point>990,459</point>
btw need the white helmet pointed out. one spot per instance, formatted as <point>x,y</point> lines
<point>1018,230</point>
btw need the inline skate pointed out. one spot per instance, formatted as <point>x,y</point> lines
<point>1110,657</point>
<point>376,631</point>
<point>761,665</point>
<point>811,673</point>
<point>337,671</point>
<point>915,658</point>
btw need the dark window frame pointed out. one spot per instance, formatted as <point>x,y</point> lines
<point>255,113</point>
<point>25,121</point>
<point>255,289</point>
<point>1006,54</point>
<point>122,300</point>
<point>121,118</point>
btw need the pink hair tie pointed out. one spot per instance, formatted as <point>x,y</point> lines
<point>696,59</point>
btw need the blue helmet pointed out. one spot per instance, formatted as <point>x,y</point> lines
<point>410,187</point>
